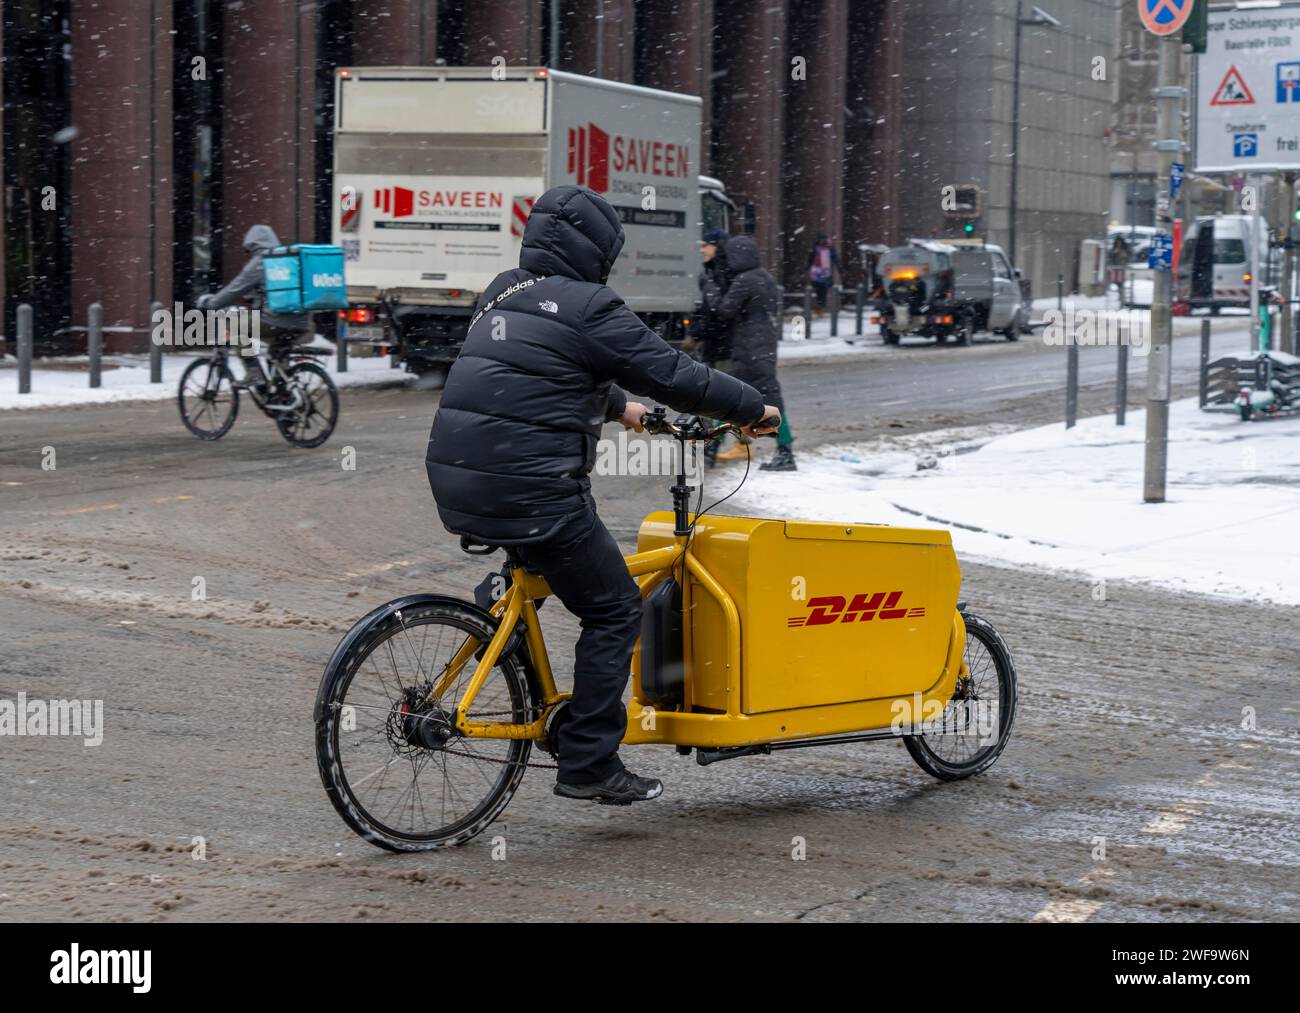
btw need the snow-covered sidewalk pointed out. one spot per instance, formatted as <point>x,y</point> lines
<point>1072,499</point>
<point>66,381</point>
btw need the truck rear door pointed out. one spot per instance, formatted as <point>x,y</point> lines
<point>435,173</point>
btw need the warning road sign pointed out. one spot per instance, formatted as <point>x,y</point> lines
<point>1248,90</point>
<point>1232,90</point>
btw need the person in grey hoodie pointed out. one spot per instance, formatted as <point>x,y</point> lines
<point>249,285</point>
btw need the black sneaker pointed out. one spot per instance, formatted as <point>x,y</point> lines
<point>782,460</point>
<point>621,788</point>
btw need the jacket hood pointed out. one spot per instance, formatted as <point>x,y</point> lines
<point>260,239</point>
<point>571,232</point>
<point>742,254</point>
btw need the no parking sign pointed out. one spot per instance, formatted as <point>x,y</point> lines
<point>1164,17</point>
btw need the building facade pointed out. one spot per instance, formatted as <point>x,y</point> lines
<point>142,137</point>
<point>959,123</point>
<point>166,127</point>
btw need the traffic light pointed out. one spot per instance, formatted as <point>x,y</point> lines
<point>969,227</point>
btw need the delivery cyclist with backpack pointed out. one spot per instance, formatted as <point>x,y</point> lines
<point>278,329</point>
<point>545,363</point>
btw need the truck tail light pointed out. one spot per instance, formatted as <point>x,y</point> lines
<point>360,315</point>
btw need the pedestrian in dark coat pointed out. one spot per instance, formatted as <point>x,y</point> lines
<point>712,334</point>
<point>549,352</point>
<point>752,306</point>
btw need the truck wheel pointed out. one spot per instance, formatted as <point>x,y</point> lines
<point>888,336</point>
<point>1013,330</point>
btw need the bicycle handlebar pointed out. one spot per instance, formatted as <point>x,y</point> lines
<point>695,427</point>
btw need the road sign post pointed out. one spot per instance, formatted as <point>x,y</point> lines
<point>1163,18</point>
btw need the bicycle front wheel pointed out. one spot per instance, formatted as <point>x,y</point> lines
<point>974,728</point>
<point>207,398</point>
<point>390,757</point>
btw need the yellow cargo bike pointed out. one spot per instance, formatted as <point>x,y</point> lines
<point>757,636</point>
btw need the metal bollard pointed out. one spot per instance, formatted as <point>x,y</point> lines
<point>807,311</point>
<point>95,341</point>
<point>1121,381</point>
<point>1071,385</point>
<point>341,348</point>
<point>1204,392</point>
<point>155,349</point>
<point>25,349</point>
<point>833,299</point>
<point>859,298</point>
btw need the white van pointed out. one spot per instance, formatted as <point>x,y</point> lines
<point>1214,263</point>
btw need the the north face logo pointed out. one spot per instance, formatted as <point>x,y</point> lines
<point>549,306</point>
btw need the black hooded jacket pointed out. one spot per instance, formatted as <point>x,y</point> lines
<point>542,369</point>
<point>751,306</point>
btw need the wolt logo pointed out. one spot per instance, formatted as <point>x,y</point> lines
<point>833,608</point>
<point>395,200</point>
<point>589,156</point>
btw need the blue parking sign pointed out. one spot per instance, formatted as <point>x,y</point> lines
<point>1175,179</point>
<point>1161,253</point>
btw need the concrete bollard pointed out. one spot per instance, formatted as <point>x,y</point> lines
<point>95,341</point>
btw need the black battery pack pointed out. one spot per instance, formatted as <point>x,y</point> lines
<point>663,671</point>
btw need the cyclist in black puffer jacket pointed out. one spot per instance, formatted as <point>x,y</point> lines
<point>545,363</point>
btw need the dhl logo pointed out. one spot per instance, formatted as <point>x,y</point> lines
<point>833,608</point>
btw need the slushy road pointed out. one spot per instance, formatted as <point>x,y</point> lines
<point>1129,737</point>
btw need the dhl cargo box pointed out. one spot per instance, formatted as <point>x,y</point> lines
<point>830,613</point>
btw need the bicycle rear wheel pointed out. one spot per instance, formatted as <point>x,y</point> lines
<point>207,398</point>
<point>312,422</point>
<point>390,757</point>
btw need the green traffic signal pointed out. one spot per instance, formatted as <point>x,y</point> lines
<point>969,227</point>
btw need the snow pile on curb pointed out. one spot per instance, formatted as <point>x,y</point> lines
<point>1072,499</point>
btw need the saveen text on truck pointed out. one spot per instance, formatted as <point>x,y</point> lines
<point>437,168</point>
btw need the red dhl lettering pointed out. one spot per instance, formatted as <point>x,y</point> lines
<point>833,608</point>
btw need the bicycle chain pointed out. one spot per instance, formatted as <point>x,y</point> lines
<point>493,759</point>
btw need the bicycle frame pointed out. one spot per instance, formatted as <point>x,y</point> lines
<point>646,725</point>
<point>687,725</point>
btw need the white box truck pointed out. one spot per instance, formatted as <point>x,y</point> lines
<point>436,169</point>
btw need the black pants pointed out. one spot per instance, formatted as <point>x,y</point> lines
<point>584,566</point>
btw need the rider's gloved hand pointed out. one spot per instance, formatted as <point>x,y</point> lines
<point>631,417</point>
<point>768,424</point>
